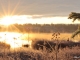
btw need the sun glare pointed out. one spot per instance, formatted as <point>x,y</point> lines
<point>7,20</point>
<point>14,39</point>
<point>23,19</point>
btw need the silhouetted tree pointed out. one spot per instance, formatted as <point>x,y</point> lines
<point>75,16</point>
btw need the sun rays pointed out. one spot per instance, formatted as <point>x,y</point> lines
<point>11,15</point>
<point>9,12</point>
<point>7,20</point>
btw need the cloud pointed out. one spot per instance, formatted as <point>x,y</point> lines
<point>39,7</point>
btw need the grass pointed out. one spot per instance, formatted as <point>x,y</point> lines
<point>32,54</point>
<point>48,36</point>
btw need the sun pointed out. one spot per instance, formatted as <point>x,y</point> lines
<point>7,20</point>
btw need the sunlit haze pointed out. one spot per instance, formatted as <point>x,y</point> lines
<point>23,19</point>
<point>14,39</point>
<point>40,12</point>
<point>33,12</point>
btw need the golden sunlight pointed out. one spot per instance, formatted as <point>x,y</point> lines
<point>14,39</point>
<point>23,19</point>
<point>7,20</point>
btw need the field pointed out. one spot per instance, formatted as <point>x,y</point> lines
<point>30,54</point>
<point>39,30</point>
<point>48,36</point>
<point>27,53</point>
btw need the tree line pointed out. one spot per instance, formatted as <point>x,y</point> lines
<point>45,28</point>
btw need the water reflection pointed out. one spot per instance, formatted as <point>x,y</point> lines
<point>14,39</point>
<point>19,39</point>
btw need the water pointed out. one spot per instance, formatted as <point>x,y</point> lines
<point>18,39</point>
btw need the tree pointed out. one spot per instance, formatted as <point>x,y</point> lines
<point>75,16</point>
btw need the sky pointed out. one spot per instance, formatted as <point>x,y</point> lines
<point>38,11</point>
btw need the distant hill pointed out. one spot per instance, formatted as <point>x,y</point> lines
<point>45,28</point>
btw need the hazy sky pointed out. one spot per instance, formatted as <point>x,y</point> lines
<point>39,8</point>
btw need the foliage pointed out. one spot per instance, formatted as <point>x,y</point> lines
<point>45,28</point>
<point>30,54</point>
<point>74,16</point>
<point>75,33</point>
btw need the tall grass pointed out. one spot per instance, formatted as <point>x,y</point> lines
<point>31,54</point>
<point>23,53</point>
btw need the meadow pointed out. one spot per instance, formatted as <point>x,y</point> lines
<point>31,54</point>
<point>48,36</point>
<point>28,53</point>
